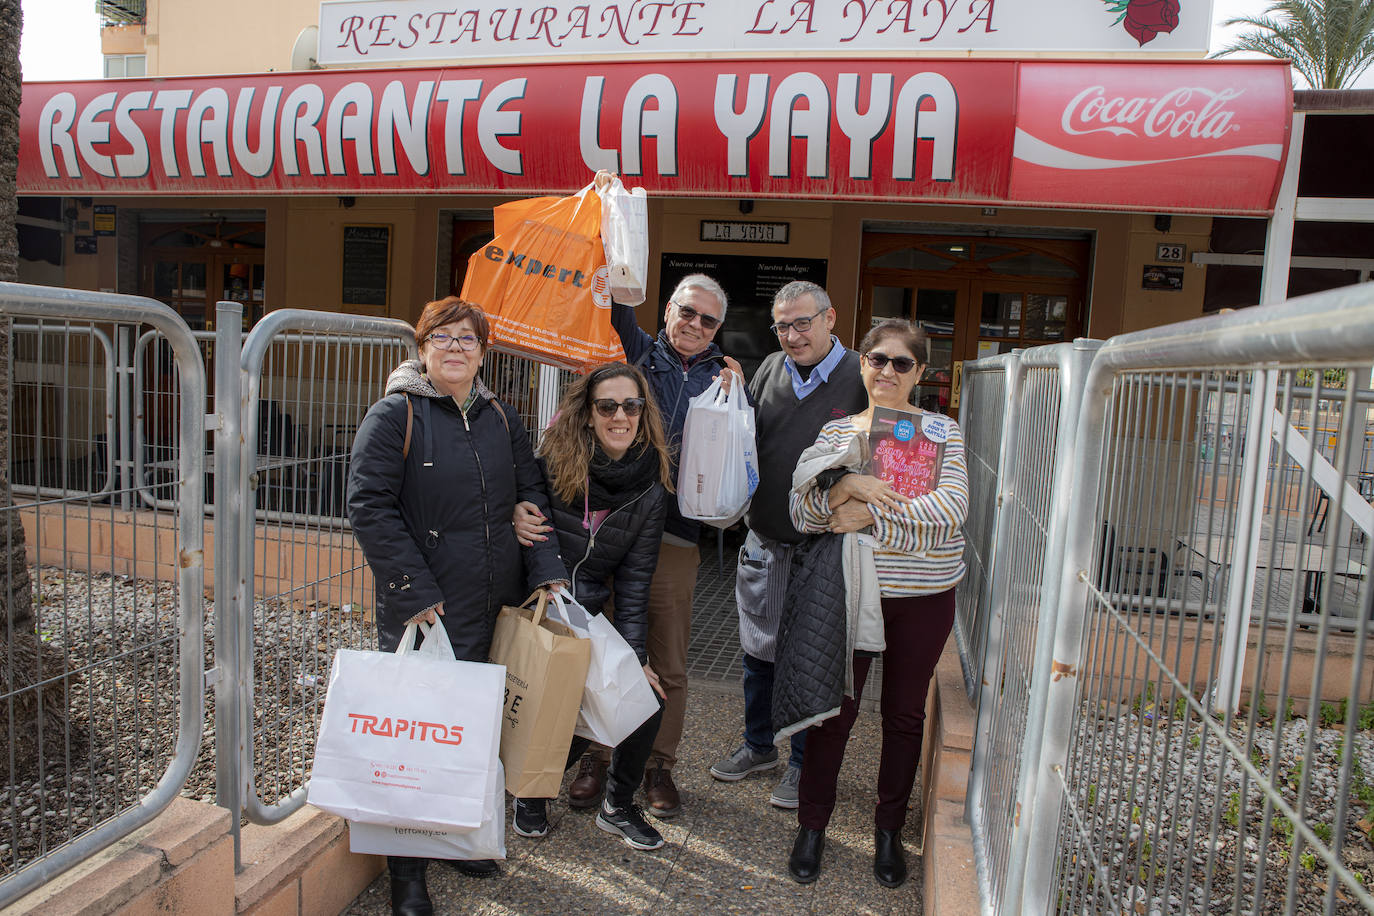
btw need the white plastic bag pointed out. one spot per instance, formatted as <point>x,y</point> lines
<point>395,748</point>
<point>617,698</point>
<point>625,238</point>
<point>485,842</point>
<point>719,470</point>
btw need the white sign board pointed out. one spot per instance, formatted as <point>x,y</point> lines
<point>389,31</point>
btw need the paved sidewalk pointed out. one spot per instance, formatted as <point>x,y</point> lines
<point>726,852</point>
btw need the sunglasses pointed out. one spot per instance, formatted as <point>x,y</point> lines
<point>607,407</point>
<point>900,364</point>
<point>708,322</point>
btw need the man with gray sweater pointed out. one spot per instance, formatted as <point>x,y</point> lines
<point>813,379</point>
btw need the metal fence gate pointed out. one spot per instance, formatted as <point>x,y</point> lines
<point>1196,718</point>
<point>114,486</point>
<point>101,687</point>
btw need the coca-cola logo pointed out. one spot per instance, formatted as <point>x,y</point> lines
<point>1187,111</point>
<point>408,729</point>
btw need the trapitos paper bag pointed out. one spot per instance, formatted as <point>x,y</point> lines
<point>543,281</point>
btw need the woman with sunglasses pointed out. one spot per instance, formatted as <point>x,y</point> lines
<point>609,474</point>
<point>437,467</point>
<point>918,560</point>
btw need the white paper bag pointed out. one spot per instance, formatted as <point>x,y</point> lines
<point>485,842</point>
<point>617,698</point>
<point>625,239</point>
<point>408,738</point>
<point>719,469</point>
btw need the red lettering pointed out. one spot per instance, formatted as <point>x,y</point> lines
<point>686,18</point>
<point>658,11</point>
<point>985,14</point>
<point>455,730</point>
<point>379,24</point>
<point>467,24</point>
<point>758,20</point>
<point>617,23</point>
<point>544,14</point>
<point>497,17</point>
<point>414,32</point>
<point>352,23</point>
<point>806,14</point>
<point>577,22</point>
<point>443,20</point>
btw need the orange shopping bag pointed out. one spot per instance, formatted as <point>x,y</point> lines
<point>543,282</point>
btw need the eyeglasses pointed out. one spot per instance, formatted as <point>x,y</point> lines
<point>708,322</point>
<point>900,364</point>
<point>468,342</point>
<point>607,408</point>
<point>800,325</point>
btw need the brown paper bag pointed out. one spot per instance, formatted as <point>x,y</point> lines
<point>546,669</point>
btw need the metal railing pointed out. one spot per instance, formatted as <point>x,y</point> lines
<point>1047,384</point>
<point>321,598</point>
<point>101,685</point>
<point>107,445</point>
<point>1177,715</point>
<point>987,416</point>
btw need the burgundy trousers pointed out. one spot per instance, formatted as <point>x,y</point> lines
<point>915,631</point>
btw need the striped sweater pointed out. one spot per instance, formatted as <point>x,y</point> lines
<point>920,547</point>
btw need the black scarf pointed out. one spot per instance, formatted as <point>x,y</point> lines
<point>612,484</point>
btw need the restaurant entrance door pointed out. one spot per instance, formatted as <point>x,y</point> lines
<point>974,296</point>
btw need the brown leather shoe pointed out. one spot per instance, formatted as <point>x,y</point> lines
<point>586,790</point>
<point>664,800</point>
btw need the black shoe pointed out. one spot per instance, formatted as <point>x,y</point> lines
<point>409,895</point>
<point>889,859</point>
<point>531,817</point>
<point>475,868</point>
<point>805,861</point>
<point>630,824</point>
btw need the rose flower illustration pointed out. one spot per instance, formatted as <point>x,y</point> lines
<point>1145,18</point>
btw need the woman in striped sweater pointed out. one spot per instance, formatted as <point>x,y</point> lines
<point>918,555</point>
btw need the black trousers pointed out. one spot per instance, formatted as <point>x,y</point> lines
<point>628,760</point>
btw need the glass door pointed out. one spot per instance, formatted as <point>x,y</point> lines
<point>934,303</point>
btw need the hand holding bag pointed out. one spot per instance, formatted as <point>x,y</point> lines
<point>394,748</point>
<point>616,698</point>
<point>719,470</point>
<point>625,237</point>
<point>546,668</point>
<point>543,281</point>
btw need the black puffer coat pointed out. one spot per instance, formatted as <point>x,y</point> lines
<point>813,638</point>
<point>623,551</point>
<point>436,525</point>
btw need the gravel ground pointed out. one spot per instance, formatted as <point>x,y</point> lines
<point>1160,788</point>
<point>118,638</point>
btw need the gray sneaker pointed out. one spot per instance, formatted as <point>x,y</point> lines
<point>743,761</point>
<point>785,792</point>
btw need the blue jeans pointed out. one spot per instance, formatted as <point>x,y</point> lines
<point>758,710</point>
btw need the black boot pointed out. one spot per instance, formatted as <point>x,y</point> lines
<point>805,861</point>
<point>889,859</point>
<point>409,896</point>
<point>475,868</point>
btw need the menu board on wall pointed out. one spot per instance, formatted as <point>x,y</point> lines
<point>750,282</point>
<point>366,264</point>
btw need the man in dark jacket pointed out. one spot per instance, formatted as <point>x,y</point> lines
<point>796,391</point>
<point>680,363</point>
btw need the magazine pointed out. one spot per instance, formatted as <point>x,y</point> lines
<point>907,448</point>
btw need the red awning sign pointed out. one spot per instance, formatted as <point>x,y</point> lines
<point>974,131</point>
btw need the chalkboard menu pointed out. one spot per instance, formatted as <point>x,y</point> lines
<point>750,282</point>
<point>366,263</point>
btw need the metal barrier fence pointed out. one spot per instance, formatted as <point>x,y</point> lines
<point>1197,708</point>
<point>986,415</point>
<point>1047,384</point>
<point>107,447</point>
<point>101,683</point>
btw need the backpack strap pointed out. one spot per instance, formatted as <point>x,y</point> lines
<point>410,423</point>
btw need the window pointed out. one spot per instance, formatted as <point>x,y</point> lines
<point>122,65</point>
